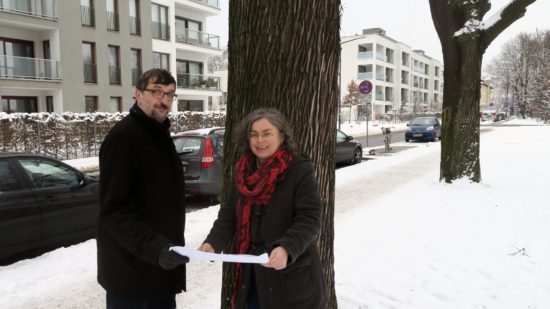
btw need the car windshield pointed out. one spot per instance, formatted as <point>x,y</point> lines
<point>187,144</point>
<point>423,121</point>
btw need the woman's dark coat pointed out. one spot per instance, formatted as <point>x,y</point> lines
<point>142,208</point>
<point>292,219</point>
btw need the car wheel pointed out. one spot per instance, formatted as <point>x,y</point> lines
<point>357,156</point>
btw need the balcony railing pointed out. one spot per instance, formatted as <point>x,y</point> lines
<point>87,16</point>
<point>135,25</point>
<point>379,96</point>
<point>198,38</point>
<point>213,3</point>
<point>114,75</point>
<point>90,73</point>
<point>160,31</point>
<point>198,81</point>
<point>42,9</point>
<point>381,56</point>
<point>364,55</point>
<point>364,75</point>
<point>112,21</point>
<point>29,68</point>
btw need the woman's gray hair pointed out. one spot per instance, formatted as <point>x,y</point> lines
<point>276,118</point>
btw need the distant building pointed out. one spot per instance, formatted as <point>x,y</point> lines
<point>85,56</point>
<point>403,79</point>
<point>485,99</point>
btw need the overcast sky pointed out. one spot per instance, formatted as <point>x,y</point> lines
<point>410,22</point>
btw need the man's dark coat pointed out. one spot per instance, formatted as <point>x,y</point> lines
<point>142,208</point>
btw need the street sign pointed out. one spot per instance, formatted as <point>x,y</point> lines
<point>365,87</point>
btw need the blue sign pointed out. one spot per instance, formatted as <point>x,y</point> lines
<point>365,87</point>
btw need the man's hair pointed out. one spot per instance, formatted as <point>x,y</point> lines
<point>155,76</point>
<point>275,117</point>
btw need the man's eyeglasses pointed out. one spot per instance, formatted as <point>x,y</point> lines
<point>159,94</point>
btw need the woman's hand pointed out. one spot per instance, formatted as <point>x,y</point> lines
<point>206,247</point>
<point>277,259</point>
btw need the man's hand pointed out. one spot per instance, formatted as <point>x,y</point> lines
<point>206,247</point>
<point>170,259</point>
<point>277,259</point>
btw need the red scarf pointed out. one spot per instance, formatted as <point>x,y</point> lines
<point>255,187</point>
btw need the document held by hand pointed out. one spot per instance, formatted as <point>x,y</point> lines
<point>233,258</point>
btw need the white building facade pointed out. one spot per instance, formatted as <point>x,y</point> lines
<point>86,56</point>
<point>404,80</point>
<point>182,45</point>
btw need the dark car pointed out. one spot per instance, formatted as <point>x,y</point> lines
<point>347,150</point>
<point>201,152</point>
<point>426,128</point>
<point>44,204</point>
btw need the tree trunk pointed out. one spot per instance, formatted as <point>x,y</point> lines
<point>464,39</point>
<point>285,54</point>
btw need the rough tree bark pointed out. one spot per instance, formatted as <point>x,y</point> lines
<point>285,54</point>
<point>464,38</point>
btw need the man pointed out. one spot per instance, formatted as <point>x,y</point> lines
<point>142,203</point>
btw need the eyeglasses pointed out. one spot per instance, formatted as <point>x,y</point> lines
<point>159,94</point>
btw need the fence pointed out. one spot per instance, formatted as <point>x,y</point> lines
<point>70,136</point>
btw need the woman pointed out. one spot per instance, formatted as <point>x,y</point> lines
<point>273,206</point>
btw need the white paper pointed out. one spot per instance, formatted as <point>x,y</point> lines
<point>195,255</point>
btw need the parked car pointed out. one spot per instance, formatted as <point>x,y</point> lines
<point>347,150</point>
<point>426,128</point>
<point>201,152</point>
<point>44,204</point>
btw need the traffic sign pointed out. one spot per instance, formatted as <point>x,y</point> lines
<point>365,87</point>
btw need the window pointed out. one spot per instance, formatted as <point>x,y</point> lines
<point>49,104</point>
<point>190,105</point>
<point>45,173</point>
<point>19,104</point>
<point>87,16</point>
<point>88,58</point>
<point>161,61</point>
<point>159,22</point>
<point>11,63</point>
<point>8,180</point>
<point>114,65</point>
<point>188,30</point>
<point>135,22</point>
<point>115,104</point>
<point>189,74</point>
<point>91,105</point>
<point>112,15</point>
<point>135,64</point>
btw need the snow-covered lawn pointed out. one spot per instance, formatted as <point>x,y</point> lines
<point>402,238</point>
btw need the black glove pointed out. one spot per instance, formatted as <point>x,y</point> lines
<point>170,259</point>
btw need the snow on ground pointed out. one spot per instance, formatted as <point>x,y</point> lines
<point>402,238</point>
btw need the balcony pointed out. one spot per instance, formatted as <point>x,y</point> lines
<point>135,25</point>
<point>364,76</point>
<point>198,38</point>
<point>12,67</point>
<point>198,81</point>
<point>364,55</point>
<point>212,3</point>
<point>160,31</point>
<point>87,16</point>
<point>41,9</point>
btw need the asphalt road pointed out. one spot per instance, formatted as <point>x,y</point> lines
<point>378,139</point>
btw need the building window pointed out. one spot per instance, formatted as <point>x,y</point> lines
<point>188,31</point>
<point>88,58</point>
<point>159,22</point>
<point>135,22</point>
<point>114,65</point>
<point>190,105</point>
<point>135,64</point>
<point>189,74</point>
<point>87,15</point>
<point>91,105</point>
<point>115,104</point>
<point>19,104</point>
<point>49,104</point>
<point>112,15</point>
<point>161,61</point>
<point>13,62</point>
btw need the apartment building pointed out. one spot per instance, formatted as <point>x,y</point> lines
<point>182,45</point>
<point>404,79</point>
<point>85,56</point>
